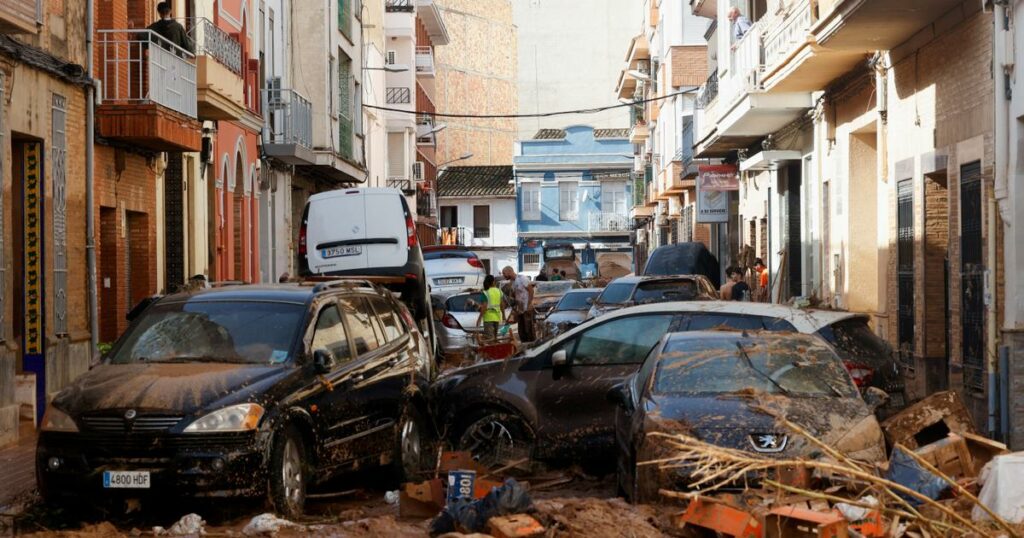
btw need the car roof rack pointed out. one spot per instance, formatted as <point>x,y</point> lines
<point>225,283</point>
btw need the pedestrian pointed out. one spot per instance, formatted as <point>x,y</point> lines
<point>725,292</point>
<point>762,278</point>
<point>555,275</point>
<point>564,277</point>
<point>492,309</point>
<point>737,290</point>
<point>522,294</point>
<point>542,276</point>
<point>740,24</point>
<point>170,29</point>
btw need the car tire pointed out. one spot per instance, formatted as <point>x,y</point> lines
<point>288,473</point>
<point>412,446</point>
<point>492,437</point>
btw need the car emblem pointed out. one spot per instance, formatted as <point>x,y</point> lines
<point>355,229</point>
<point>130,414</point>
<point>768,442</point>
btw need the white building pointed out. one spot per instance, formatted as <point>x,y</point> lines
<point>478,210</point>
<point>568,58</point>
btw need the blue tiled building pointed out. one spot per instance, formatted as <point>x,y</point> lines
<point>573,186</point>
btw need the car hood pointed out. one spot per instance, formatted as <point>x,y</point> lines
<point>183,388</point>
<point>741,421</point>
<point>563,316</point>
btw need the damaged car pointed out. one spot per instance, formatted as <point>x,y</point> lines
<point>254,391</point>
<point>639,290</point>
<point>570,311</point>
<point>730,389</point>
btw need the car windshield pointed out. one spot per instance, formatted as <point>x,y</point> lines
<point>447,254</point>
<point>661,291</point>
<point>559,253</point>
<point>576,301</point>
<point>786,365</point>
<point>467,302</point>
<point>557,287</point>
<point>248,332</point>
<point>616,293</point>
<point>855,337</point>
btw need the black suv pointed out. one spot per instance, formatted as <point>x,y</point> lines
<point>244,391</point>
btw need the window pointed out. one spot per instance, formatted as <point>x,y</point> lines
<point>621,341</point>
<point>449,216</point>
<point>345,17</point>
<point>330,334</point>
<point>482,221</point>
<point>393,328</point>
<point>568,201</point>
<point>531,260</point>
<point>531,201</point>
<point>361,321</point>
<point>346,83</point>
<point>613,198</point>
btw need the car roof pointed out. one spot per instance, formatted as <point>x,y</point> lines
<point>798,318</point>
<point>584,290</point>
<point>644,278</point>
<point>344,192</point>
<point>297,292</point>
<point>736,335</point>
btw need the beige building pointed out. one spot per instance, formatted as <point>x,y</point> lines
<point>476,74</point>
<point>866,155</point>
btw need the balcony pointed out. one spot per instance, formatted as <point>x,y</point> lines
<point>399,6</point>
<point>221,82</point>
<point>148,94</point>
<point>734,111</point>
<point>426,203</point>
<point>605,223</point>
<point>288,134</point>
<point>398,96</point>
<point>640,132</point>
<point>404,184</point>
<point>21,16</point>
<point>865,26</point>
<point>453,236</point>
<point>424,61</point>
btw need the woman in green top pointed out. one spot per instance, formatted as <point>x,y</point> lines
<point>492,311</point>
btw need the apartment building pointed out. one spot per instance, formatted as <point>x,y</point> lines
<point>476,74</point>
<point>44,339</point>
<point>413,30</point>
<point>665,64</point>
<point>477,209</point>
<point>572,187</point>
<point>866,153</point>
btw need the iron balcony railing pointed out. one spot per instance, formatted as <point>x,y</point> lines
<point>687,149</point>
<point>398,96</point>
<point>452,236</point>
<point>216,43</point>
<point>140,67</point>
<point>400,183</point>
<point>399,6</point>
<point>709,91</point>
<point>608,222</point>
<point>289,117</point>
<point>426,203</point>
<point>424,60</point>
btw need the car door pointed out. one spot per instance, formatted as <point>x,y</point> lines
<point>572,406</point>
<point>398,367</point>
<point>386,235</point>
<point>336,233</point>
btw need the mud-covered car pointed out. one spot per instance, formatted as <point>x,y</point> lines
<point>547,294</point>
<point>243,391</point>
<point>570,311</point>
<point>727,388</point>
<point>638,290</point>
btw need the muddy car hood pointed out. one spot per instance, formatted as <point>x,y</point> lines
<point>563,316</point>
<point>185,388</point>
<point>846,424</point>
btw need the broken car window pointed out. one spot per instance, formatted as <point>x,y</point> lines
<point>575,301</point>
<point>662,291</point>
<point>621,341</point>
<point>616,293</point>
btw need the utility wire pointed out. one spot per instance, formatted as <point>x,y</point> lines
<point>540,115</point>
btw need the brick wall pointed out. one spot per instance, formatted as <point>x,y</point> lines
<point>689,65</point>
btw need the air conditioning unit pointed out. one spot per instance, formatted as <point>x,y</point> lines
<point>418,173</point>
<point>391,57</point>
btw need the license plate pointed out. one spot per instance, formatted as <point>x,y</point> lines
<point>449,281</point>
<point>126,479</point>
<point>338,252</point>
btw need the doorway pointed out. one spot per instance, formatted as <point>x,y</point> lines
<point>972,275</point>
<point>28,277</point>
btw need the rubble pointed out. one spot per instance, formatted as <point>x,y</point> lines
<point>188,525</point>
<point>268,524</point>
<point>929,420</point>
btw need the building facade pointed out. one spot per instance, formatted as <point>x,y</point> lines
<point>476,74</point>
<point>477,209</point>
<point>665,64</point>
<point>868,161</point>
<point>572,186</point>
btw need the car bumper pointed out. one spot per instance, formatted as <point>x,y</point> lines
<point>200,465</point>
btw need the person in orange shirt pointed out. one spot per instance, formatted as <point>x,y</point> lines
<point>762,276</point>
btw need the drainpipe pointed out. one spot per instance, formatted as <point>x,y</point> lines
<point>1004,393</point>
<point>90,184</point>
<point>990,317</point>
<point>1002,50</point>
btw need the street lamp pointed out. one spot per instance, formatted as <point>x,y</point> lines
<point>638,75</point>
<point>462,158</point>
<point>393,68</point>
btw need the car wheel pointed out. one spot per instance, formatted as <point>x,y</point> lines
<point>412,444</point>
<point>288,473</point>
<point>494,438</point>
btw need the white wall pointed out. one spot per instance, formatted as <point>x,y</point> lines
<point>570,55</point>
<point>503,220</point>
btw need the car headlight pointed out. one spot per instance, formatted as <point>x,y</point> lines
<point>237,418</point>
<point>55,420</point>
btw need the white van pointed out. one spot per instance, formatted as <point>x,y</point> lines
<point>364,232</point>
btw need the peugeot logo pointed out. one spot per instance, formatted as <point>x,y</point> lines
<point>768,442</point>
<point>130,414</point>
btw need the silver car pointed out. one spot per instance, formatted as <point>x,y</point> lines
<point>570,311</point>
<point>451,269</point>
<point>455,320</point>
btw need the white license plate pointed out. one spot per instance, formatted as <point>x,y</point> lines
<point>449,281</point>
<point>126,479</point>
<point>337,252</point>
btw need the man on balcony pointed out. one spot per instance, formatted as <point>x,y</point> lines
<point>740,24</point>
<point>170,29</point>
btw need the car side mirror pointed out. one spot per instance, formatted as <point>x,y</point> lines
<point>323,361</point>
<point>875,398</point>
<point>618,395</point>
<point>560,359</point>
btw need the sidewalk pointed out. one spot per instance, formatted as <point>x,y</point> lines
<point>17,466</point>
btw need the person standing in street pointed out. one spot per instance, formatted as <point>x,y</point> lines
<point>740,290</point>
<point>170,29</point>
<point>492,310</point>
<point>725,292</point>
<point>522,293</point>
<point>762,279</point>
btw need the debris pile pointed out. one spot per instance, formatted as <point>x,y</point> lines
<point>941,479</point>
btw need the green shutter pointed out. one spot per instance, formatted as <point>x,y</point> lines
<point>345,17</point>
<point>345,112</point>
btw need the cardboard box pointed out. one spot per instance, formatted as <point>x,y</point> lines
<point>929,420</point>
